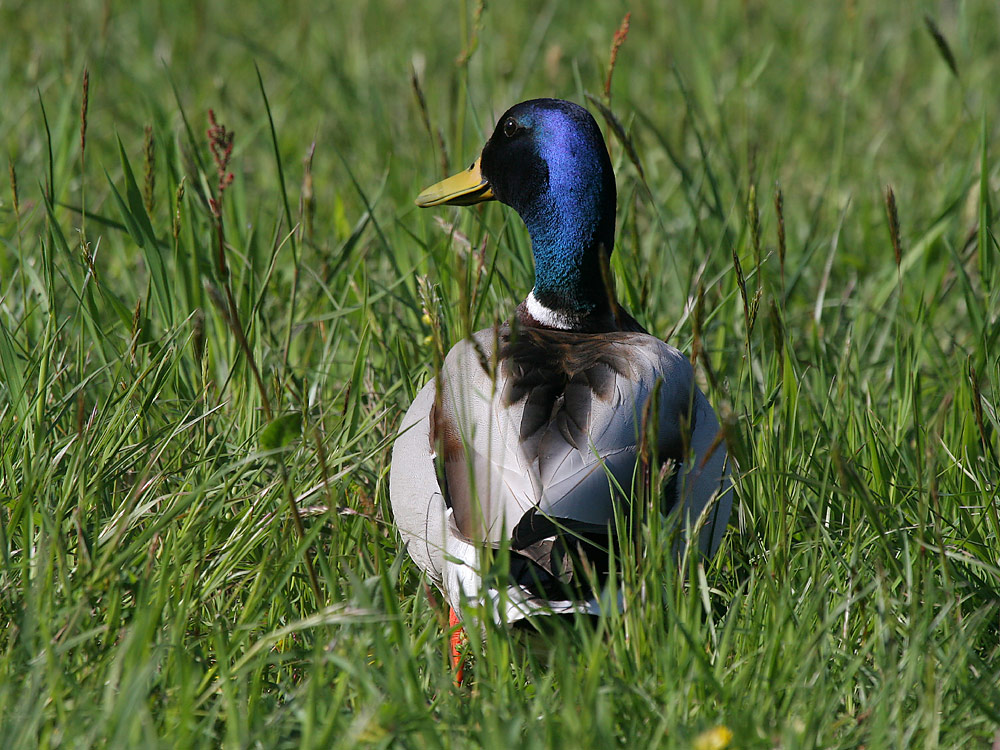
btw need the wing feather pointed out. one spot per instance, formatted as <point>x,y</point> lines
<point>534,422</point>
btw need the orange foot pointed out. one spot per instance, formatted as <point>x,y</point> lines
<point>457,639</point>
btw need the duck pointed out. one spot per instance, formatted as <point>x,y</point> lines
<point>530,437</point>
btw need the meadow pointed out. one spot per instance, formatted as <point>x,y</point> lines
<point>210,325</point>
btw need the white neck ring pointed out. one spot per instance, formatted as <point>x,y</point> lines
<point>547,316</point>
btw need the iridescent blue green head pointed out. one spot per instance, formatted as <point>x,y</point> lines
<point>547,160</point>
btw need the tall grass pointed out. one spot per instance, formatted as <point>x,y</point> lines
<point>200,378</point>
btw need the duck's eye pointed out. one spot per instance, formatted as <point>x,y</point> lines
<point>510,127</point>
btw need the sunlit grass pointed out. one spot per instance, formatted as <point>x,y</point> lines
<point>166,410</point>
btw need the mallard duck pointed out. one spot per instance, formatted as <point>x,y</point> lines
<point>531,433</point>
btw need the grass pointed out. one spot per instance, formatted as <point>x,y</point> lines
<point>166,411</point>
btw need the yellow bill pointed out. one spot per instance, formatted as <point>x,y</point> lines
<point>462,189</point>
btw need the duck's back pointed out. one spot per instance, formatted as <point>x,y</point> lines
<point>530,434</point>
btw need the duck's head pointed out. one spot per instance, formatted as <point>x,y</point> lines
<point>547,160</point>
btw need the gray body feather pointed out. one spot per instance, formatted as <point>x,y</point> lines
<point>530,434</point>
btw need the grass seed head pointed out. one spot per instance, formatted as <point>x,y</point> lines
<point>198,334</point>
<point>149,164</point>
<point>220,143</point>
<point>616,43</point>
<point>307,204</point>
<point>892,214</point>
<point>753,221</point>
<point>84,104</point>
<point>942,45</point>
<point>13,185</point>
<point>779,211</point>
